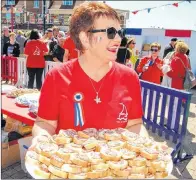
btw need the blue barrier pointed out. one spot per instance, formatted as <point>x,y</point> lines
<point>166,111</point>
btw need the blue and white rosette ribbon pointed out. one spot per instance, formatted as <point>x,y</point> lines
<point>78,111</point>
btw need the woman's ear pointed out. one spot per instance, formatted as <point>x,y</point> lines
<point>84,40</point>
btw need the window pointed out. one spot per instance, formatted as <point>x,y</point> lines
<point>36,3</point>
<point>10,2</point>
<point>68,2</point>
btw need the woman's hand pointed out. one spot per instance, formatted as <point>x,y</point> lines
<point>144,68</point>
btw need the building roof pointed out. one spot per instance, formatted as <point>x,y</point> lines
<point>56,7</point>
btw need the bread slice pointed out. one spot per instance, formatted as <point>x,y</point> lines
<point>42,171</point>
<point>77,176</point>
<point>57,171</point>
<point>118,165</point>
<point>31,158</point>
<point>70,168</point>
<point>80,159</point>
<point>46,149</point>
<point>43,159</point>
<point>110,154</point>
<point>56,161</point>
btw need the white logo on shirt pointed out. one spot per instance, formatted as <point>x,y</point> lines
<point>123,115</point>
<point>37,51</point>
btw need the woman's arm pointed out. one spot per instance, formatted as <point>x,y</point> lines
<point>142,63</point>
<point>5,46</point>
<point>176,68</point>
<point>66,55</point>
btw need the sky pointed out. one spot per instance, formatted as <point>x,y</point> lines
<point>169,17</point>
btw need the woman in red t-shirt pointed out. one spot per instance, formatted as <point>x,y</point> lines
<point>35,50</point>
<point>92,91</point>
<point>149,67</point>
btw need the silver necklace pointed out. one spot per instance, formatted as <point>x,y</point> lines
<point>97,98</point>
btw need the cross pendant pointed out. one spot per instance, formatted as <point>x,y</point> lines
<point>97,99</point>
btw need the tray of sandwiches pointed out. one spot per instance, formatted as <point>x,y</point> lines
<point>98,154</point>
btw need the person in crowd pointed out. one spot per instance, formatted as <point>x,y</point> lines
<point>94,80</point>
<point>11,48</point>
<point>58,51</point>
<point>134,52</point>
<point>45,37</point>
<point>70,49</point>
<point>55,31</point>
<point>61,34</point>
<point>5,37</point>
<point>170,48</point>
<point>175,69</point>
<point>21,40</point>
<point>123,54</point>
<point>27,35</point>
<point>149,67</point>
<point>51,42</point>
<point>35,50</point>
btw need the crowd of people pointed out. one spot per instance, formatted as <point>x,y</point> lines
<point>58,46</point>
<point>168,70</point>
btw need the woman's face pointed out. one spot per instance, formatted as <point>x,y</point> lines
<point>61,41</point>
<point>155,51</point>
<point>12,38</point>
<point>132,45</point>
<point>101,46</point>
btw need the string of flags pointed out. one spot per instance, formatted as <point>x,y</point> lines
<point>23,10</point>
<point>176,4</point>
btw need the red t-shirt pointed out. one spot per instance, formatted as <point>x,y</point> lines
<point>35,50</point>
<point>120,96</point>
<point>153,73</point>
<point>70,46</point>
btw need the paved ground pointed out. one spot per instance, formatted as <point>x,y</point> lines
<point>184,170</point>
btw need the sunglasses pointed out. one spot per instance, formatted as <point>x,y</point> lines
<point>155,50</point>
<point>133,43</point>
<point>111,32</point>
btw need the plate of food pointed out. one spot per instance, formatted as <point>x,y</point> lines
<point>93,154</point>
<point>26,99</point>
<point>6,88</point>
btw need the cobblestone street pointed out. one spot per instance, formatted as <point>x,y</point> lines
<point>183,170</point>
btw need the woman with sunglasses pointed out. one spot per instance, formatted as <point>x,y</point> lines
<point>92,91</point>
<point>134,53</point>
<point>149,67</point>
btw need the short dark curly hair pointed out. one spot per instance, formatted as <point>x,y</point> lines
<point>34,34</point>
<point>84,16</point>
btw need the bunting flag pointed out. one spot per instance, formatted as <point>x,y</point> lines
<point>135,12</point>
<point>176,4</point>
